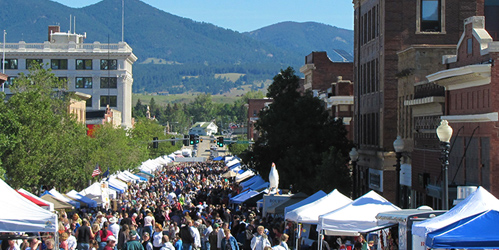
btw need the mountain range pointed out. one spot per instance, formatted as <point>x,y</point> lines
<point>176,54</point>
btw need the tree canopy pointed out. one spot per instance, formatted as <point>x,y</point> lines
<point>299,136</point>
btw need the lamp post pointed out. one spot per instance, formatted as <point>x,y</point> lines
<point>398,145</point>
<point>444,133</point>
<point>354,155</point>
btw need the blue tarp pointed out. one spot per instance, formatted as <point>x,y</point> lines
<point>218,158</point>
<point>477,231</point>
<point>235,166</point>
<point>141,177</point>
<point>241,171</point>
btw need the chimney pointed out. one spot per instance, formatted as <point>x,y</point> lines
<point>53,29</point>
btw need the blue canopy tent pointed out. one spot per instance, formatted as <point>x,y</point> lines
<point>142,178</point>
<point>74,195</point>
<point>218,158</point>
<point>476,231</point>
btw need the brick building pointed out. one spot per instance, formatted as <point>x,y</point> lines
<point>385,30</point>
<point>254,108</point>
<point>471,106</point>
<point>331,82</point>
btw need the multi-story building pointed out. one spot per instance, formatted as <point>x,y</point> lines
<point>331,82</point>
<point>467,94</point>
<point>384,28</point>
<point>103,71</point>
<point>254,108</point>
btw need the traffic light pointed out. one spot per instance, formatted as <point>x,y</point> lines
<point>155,142</point>
<point>191,140</point>
<point>173,142</point>
<point>186,140</point>
<point>197,139</point>
<point>220,141</point>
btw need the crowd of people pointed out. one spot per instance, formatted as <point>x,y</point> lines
<point>183,207</point>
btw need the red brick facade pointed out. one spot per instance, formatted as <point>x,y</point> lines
<point>254,108</point>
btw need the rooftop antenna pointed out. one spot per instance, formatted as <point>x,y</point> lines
<point>122,20</point>
<point>70,25</point>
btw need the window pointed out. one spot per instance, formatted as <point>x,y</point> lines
<point>108,82</point>
<point>9,82</point>
<point>83,82</point>
<point>112,100</point>
<point>108,64</point>
<point>88,102</point>
<point>10,63</point>
<point>33,62</point>
<point>430,16</point>
<point>59,63</point>
<point>83,64</point>
<point>470,46</point>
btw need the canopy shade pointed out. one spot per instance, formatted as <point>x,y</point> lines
<point>319,194</point>
<point>61,197</point>
<point>310,213</point>
<point>477,232</point>
<point>75,195</point>
<point>229,174</point>
<point>356,217</point>
<point>478,201</point>
<point>58,205</point>
<point>37,202</point>
<point>279,207</point>
<point>18,214</point>
<point>50,204</point>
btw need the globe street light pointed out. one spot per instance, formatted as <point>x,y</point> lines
<point>354,155</point>
<point>398,145</point>
<point>444,133</point>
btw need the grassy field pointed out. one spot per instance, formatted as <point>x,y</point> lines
<point>228,97</point>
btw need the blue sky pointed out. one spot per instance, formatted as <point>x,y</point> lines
<point>248,15</point>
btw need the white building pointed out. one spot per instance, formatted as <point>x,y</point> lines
<point>103,71</point>
<point>203,128</point>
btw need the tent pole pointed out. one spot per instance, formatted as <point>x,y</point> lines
<point>319,240</point>
<point>298,236</point>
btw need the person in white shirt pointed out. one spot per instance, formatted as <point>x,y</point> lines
<point>221,234</point>
<point>195,235</point>
<point>260,240</point>
<point>114,227</point>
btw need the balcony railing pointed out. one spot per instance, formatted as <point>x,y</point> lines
<point>428,89</point>
<point>71,46</point>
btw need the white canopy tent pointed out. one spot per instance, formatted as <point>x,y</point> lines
<point>319,194</point>
<point>61,197</point>
<point>479,201</point>
<point>309,213</point>
<point>246,174</point>
<point>356,217</point>
<point>51,205</point>
<point>21,215</point>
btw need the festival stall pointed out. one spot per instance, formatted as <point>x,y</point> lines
<point>98,192</point>
<point>37,200</point>
<point>74,195</point>
<point>357,217</point>
<point>316,196</point>
<point>58,205</point>
<point>61,197</point>
<point>477,202</point>
<point>474,232</point>
<point>310,213</point>
<point>245,175</point>
<point>21,215</point>
<point>278,208</point>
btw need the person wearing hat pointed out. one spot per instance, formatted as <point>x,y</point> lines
<point>213,237</point>
<point>111,243</point>
<point>114,227</point>
<point>133,243</point>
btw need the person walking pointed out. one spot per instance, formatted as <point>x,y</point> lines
<point>83,236</point>
<point>260,240</point>
<point>167,245</point>
<point>229,242</point>
<point>157,237</point>
<point>133,243</point>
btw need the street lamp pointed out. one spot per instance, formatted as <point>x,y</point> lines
<point>444,133</point>
<point>354,156</point>
<point>398,145</point>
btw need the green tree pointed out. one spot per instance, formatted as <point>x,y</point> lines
<point>41,143</point>
<point>295,132</point>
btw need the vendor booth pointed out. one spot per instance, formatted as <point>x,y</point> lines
<point>475,232</point>
<point>356,217</point>
<point>21,215</point>
<point>311,198</point>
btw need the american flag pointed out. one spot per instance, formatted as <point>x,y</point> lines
<point>97,171</point>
